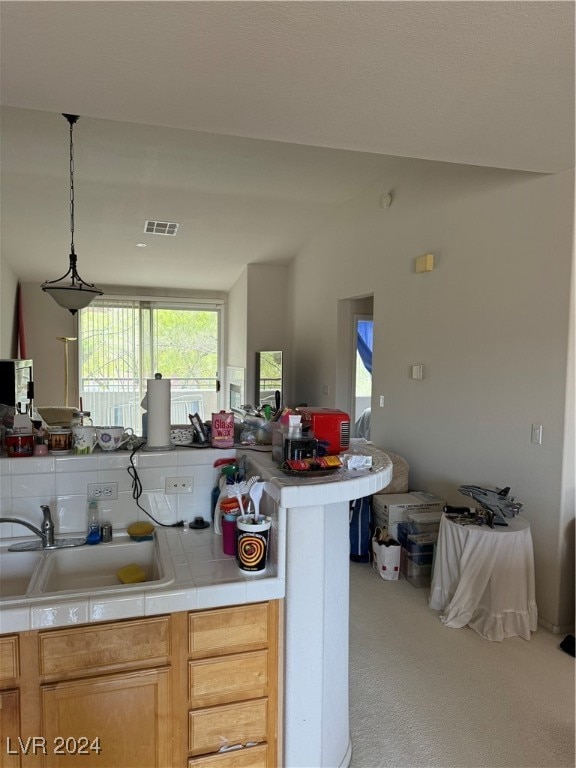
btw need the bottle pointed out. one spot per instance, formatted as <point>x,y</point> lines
<point>93,523</point>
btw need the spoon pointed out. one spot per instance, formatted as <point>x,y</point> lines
<point>255,494</point>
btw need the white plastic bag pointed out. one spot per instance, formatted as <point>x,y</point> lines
<point>386,557</point>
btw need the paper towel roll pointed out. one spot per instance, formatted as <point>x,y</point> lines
<point>158,406</point>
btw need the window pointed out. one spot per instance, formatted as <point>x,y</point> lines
<point>123,342</point>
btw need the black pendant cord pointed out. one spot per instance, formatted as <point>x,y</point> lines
<point>71,119</point>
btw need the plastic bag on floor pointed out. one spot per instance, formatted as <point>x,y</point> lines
<point>386,555</point>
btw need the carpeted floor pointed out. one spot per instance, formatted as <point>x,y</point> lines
<point>426,696</point>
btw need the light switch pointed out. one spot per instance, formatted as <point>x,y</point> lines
<point>537,434</point>
<point>417,371</point>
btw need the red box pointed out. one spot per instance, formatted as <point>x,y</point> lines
<point>330,426</point>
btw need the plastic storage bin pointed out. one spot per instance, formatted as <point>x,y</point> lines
<point>418,574</point>
<point>422,552</point>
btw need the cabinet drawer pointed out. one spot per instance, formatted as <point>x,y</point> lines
<point>210,729</point>
<point>9,658</point>
<point>230,630</point>
<point>104,646</point>
<point>253,757</point>
<point>228,678</point>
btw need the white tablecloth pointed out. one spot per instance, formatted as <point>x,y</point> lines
<point>484,578</point>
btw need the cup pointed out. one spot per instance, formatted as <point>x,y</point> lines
<point>83,439</point>
<point>19,445</point>
<point>111,438</point>
<point>228,524</point>
<point>252,542</point>
<point>59,439</point>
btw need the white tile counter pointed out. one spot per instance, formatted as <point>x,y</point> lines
<point>309,567</point>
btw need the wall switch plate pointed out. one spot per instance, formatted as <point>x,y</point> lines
<point>102,491</point>
<point>381,401</point>
<point>417,372</point>
<point>179,485</point>
<point>536,434</point>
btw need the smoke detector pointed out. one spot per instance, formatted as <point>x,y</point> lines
<point>161,228</point>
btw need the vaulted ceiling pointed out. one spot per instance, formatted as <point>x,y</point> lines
<point>249,123</point>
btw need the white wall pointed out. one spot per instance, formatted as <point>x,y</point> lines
<point>236,320</point>
<point>8,289</point>
<point>45,321</point>
<point>268,320</point>
<point>259,319</point>
<point>490,325</point>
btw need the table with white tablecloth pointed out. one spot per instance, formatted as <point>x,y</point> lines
<point>484,578</point>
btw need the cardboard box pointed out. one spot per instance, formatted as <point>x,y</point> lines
<point>391,508</point>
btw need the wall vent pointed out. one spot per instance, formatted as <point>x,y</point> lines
<point>161,228</point>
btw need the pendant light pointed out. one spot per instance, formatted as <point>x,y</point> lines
<point>77,293</point>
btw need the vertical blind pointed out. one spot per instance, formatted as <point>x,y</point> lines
<point>123,342</point>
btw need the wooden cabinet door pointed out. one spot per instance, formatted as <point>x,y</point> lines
<point>129,714</point>
<point>9,729</point>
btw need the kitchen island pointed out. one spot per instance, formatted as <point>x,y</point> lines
<point>316,606</point>
<point>308,567</point>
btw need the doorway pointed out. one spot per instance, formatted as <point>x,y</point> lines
<point>362,365</point>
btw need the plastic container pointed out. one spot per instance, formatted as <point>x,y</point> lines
<point>93,523</point>
<point>229,534</point>
<point>418,550</point>
<point>418,574</point>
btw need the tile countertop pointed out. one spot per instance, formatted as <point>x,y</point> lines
<point>343,484</point>
<point>203,576</point>
<point>197,576</point>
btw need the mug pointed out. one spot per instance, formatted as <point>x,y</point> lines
<point>111,438</point>
<point>59,439</point>
<point>83,439</point>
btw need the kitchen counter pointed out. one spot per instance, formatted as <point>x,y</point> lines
<point>308,567</point>
<point>316,605</point>
<point>197,575</point>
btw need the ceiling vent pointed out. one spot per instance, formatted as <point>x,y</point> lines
<point>161,228</point>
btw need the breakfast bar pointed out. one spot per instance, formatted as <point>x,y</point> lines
<point>304,590</point>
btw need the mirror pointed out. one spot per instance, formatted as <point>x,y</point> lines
<point>268,377</point>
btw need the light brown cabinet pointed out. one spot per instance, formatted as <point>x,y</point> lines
<point>9,701</point>
<point>157,692</point>
<point>113,720</point>
<point>233,687</point>
<point>9,728</point>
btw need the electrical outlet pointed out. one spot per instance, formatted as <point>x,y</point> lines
<point>179,485</point>
<point>100,491</point>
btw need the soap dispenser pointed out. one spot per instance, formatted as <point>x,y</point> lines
<point>93,523</point>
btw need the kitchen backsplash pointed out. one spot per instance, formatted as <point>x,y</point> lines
<point>62,482</point>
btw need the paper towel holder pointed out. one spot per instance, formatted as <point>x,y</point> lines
<point>146,446</point>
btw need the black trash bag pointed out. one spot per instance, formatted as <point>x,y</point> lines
<point>568,644</point>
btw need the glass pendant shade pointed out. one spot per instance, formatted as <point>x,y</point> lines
<point>77,293</point>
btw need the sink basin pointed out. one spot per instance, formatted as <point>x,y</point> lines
<point>93,568</point>
<point>16,571</point>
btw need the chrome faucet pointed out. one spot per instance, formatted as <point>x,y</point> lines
<point>46,532</point>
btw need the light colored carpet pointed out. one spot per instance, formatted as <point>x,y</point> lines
<point>426,696</point>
